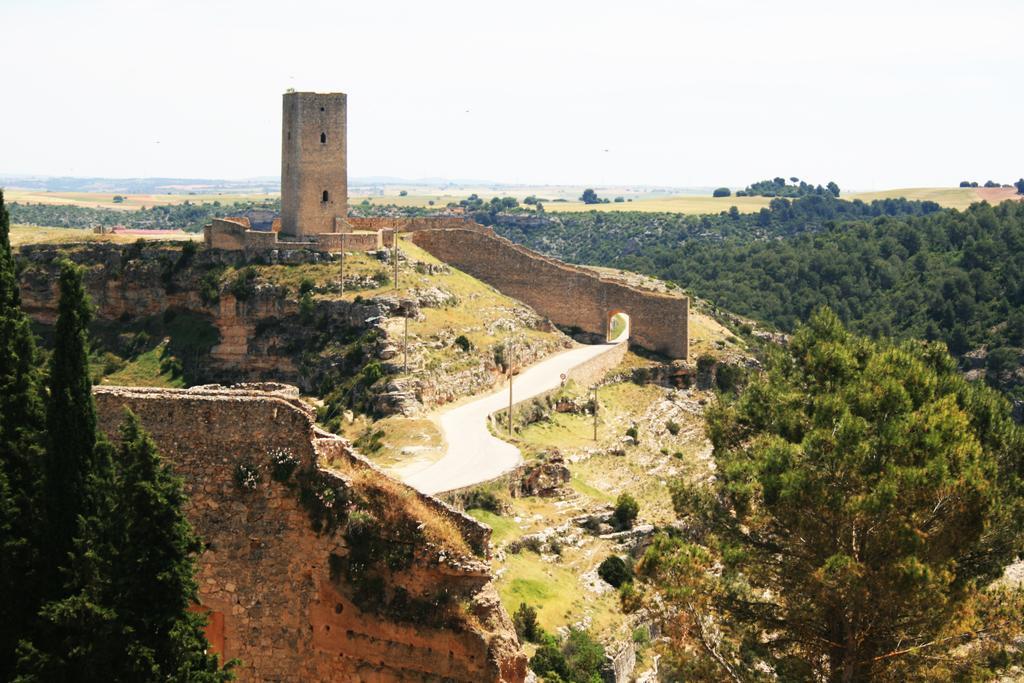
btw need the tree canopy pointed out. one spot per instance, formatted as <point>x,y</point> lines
<point>97,560</point>
<point>893,268</point>
<point>865,497</point>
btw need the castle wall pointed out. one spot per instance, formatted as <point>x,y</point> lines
<point>413,223</point>
<point>266,576</point>
<point>568,295</point>
<point>314,157</point>
<point>226,233</point>
<point>334,242</point>
<point>591,372</point>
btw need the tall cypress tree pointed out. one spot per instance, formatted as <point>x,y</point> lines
<point>71,454</point>
<point>153,576</point>
<point>131,582</point>
<point>21,423</point>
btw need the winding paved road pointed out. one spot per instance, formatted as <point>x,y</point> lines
<point>473,454</point>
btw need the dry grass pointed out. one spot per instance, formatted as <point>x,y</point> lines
<point>407,441</point>
<point>132,202</point>
<point>688,204</point>
<point>31,234</point>
<point>946,197</point>
<point>404,503</point>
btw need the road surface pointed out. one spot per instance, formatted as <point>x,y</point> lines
<point>472,454</point>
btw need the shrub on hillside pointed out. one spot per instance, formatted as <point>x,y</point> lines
<point>614,571</point>
<point>484,500</point>
<point>722,192</point>
<point>577,660</point>
<point>626,511</point>
<point>525,621</point>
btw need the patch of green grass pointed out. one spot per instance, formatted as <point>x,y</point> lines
<point>148,369</point>
<point>503,527</point>
<point>555,590</point>
<point>583,488</point>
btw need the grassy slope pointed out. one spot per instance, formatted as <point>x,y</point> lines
<point>145,371</point>
<point>477,314</point>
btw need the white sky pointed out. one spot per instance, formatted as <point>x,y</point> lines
<point>870,94</point>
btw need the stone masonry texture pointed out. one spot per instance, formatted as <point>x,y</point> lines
<point>267,578</point>
<point>568,295</point>
<point>314,158</point>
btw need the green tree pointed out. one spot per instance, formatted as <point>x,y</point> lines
<point>71,454</point>
<point>577,660</point>
<point>525,621</point>
<point>626,511</point>
<point>614,571</point>
<point>21,426</point>
<point>589,197</point>
<point>130,584</point>
<point>721,192</point>
<point>833,188</point>
<point>865,496</point>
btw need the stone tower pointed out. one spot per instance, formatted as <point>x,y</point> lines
<point>314,159</point>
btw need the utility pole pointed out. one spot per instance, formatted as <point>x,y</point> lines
<point>394,248</point>
<point>343,265</point>
<point>406,344</point>
<point>595,412</point>
<point>510,373</point>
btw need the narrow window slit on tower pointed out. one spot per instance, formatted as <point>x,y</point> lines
<point>323,137</point>
<point>325,195</point>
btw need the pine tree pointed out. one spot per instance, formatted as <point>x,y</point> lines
<point>865,498</point>
<point>21,423</point>
<point>71,454</point>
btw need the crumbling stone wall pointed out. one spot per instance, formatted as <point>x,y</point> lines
<point>569,296</point>
<point>413,223</point>
<point>226,233</point>
<point>271,583</point>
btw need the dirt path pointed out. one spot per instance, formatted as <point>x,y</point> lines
<point>473,454</point>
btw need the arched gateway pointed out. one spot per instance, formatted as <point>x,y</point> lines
<point>568,295</point>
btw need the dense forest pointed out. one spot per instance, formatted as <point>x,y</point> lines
<point>186,216</point>
<point>901,269</point>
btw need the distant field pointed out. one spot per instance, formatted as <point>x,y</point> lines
<point>131,201</point>
<point>692,204</point>
<point>31,234</point>
<point>947,197</point>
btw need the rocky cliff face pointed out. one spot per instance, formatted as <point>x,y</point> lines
<point>317,567</point>
<point>259,332</point>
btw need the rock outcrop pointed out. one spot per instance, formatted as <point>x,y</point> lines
<point>262,332</point>
<point>317,566</point>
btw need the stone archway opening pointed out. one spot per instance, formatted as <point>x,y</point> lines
<point>618,327</point>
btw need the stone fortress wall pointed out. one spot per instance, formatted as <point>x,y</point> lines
<point>268,581</point>
<point>568,295</point>
<point>235,234</point>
